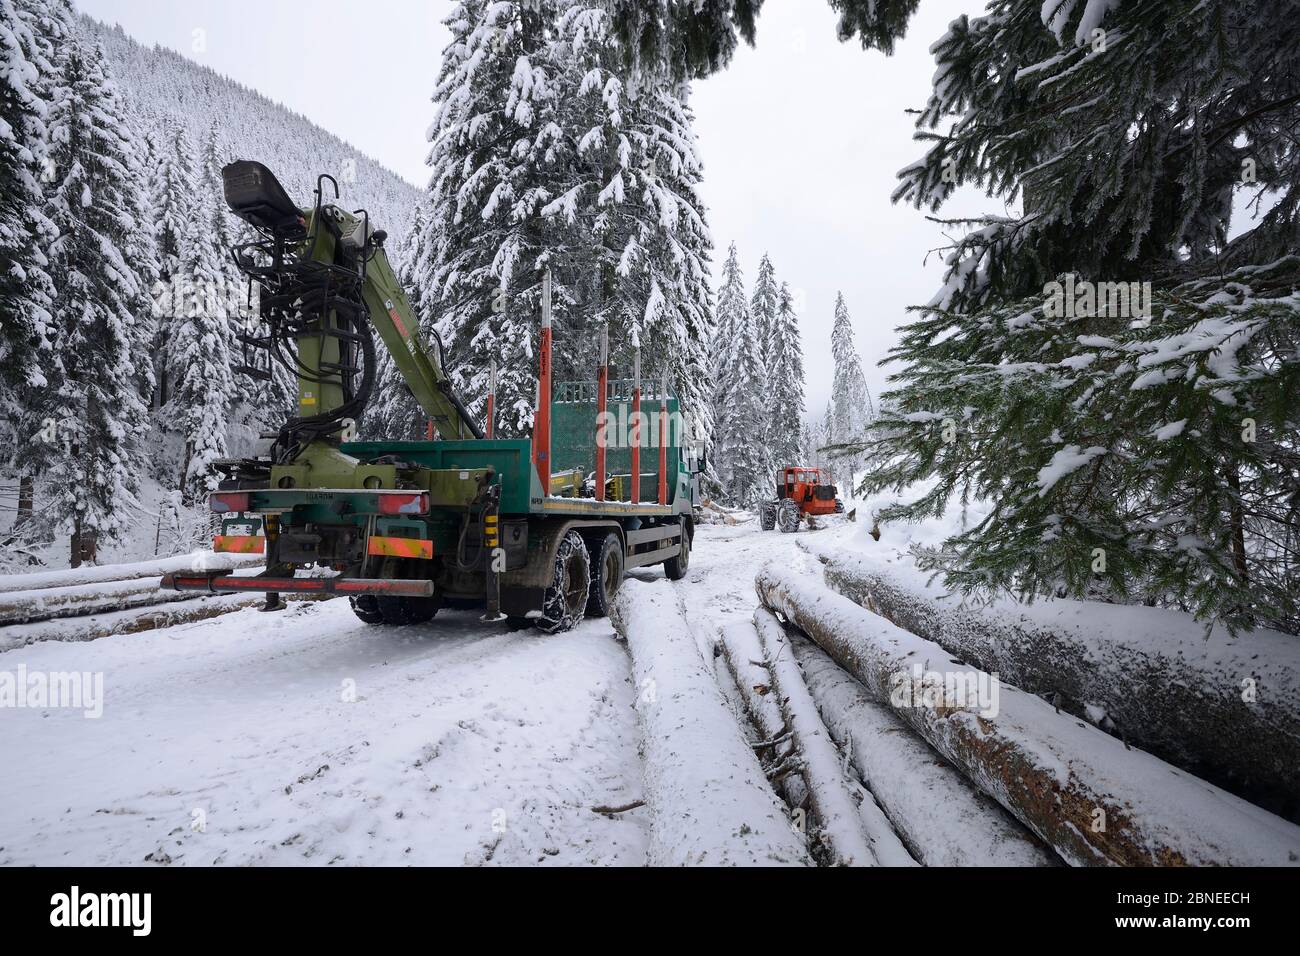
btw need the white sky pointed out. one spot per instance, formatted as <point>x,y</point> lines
<point>801,137</point>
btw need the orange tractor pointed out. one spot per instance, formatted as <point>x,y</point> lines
<point>800,492</point>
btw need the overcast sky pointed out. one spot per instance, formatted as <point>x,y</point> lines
<point>801,137</point>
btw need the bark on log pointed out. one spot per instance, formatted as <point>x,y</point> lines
<point>856,831</point>
<point>1224,709</point>
<point>24,607</point>
<point>743,656</point>
<point>1083,792</point>
<point>939,814</point>
<point>710,803</point>
<point>101,573</point>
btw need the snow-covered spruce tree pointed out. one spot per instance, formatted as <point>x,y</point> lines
<point>852,407</point>
<point>785,390</point>
<point>543,159</point>
<point>1135,442</point>
<point>99,360</point>
<point>740,405</point>
<point>176,184</point>
<point>26,289</point>
<point>640,266</point>
<point>199,354</point>
<point>496,160</point>
<point>764,302</point>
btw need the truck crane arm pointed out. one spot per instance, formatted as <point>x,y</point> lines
<point>326,284</point>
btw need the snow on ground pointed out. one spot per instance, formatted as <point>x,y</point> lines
<point>466,743</point>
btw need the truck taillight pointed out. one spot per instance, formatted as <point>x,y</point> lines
<point>223,501</point>
<point>393,503</point>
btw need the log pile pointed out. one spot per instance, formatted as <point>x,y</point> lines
<point>1221,708</point>
<point>1084,793</point>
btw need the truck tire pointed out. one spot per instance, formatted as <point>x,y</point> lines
<point>607,575</point>
<point>400,611</point>
<point>787,517</point>
<point>767,515</point>
<point>566,599</point>
<point>676,567</point>
<point>366,608</point>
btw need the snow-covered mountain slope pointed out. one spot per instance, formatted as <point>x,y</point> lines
<point>167,88</point>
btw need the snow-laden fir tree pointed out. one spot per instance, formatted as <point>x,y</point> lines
<point>785,385</point>
<point>26,289</point>
<point>764,301</point>
<point>544,159</point>
<point>640,267</point>
<point>496,159</point>
<point>176,186</point>
<point>200,354</point>
<point>100,359</point>
<point>852,405</point>
<point>740,404</point>
<point>1136,442</point>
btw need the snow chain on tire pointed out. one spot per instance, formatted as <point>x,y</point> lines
<point>566,599</point>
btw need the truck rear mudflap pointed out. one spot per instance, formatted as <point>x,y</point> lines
<point>222,583</point>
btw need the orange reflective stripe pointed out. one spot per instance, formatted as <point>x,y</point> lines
<point>400,547</point>
<point>239,543</point>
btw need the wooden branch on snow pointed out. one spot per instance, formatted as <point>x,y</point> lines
<point>1091,799</point>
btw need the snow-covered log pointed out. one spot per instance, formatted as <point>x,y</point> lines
<point>856,832</point>
<point>940,815</point>
<point>100,573</point>
<point>709,800</point>
<point>21,607</point>
<point>1224,708</point>
<point>1091,798</point>
<point>744,660</point>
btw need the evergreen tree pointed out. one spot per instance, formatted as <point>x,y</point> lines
<point>542,159</point>
<point>200,354</point>
<point>92,394</point>
<point>1136,442</point>
<point>176,186</point>
<point>764,304</point>
<point>849,390</point>
<point>26,289</point>
<point>785,391</point>
<point>740,410</point>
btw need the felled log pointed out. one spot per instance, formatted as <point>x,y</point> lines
<point>1227,709</point>
<point>23,607</point>
<point>101,573</point>
<point>856,831</point>
<point>942,818</point>
<point>744,661</point>
<point>1089,797</point>
<point>708,798</point>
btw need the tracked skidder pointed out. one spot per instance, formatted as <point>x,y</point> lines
<point>800,493</point>
<point>528,528</point>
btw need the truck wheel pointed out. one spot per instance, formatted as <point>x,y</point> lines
<point>366,608</point>
<point>566,598</point>
<point>400,611</point>
<point>787,516</point>
<point>676,567</point>
<point>767,515</point>
<point>608,564</point>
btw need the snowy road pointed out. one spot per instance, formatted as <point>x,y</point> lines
<point>307,737</point>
